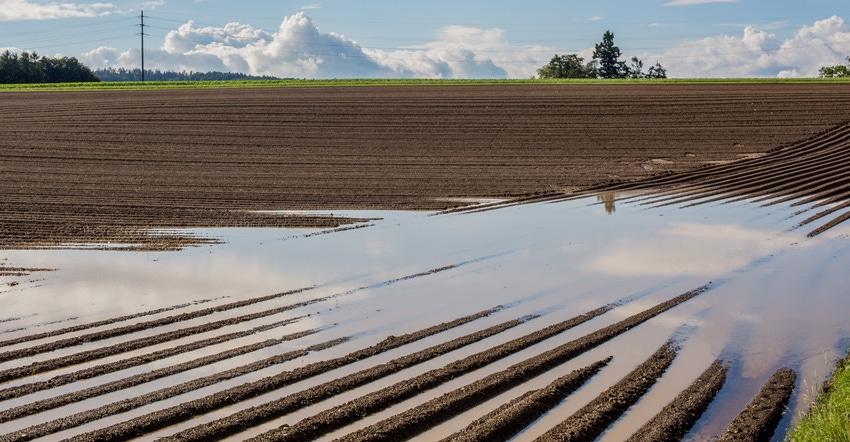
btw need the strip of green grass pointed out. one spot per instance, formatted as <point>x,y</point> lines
<point>154,85</point>
<point>138,85</point>
<point>829,417</point>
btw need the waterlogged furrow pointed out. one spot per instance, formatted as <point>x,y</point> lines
<point>502,423</point>
<point>90,325</point>
<point>815,171</point>
<point>136,344</point>
<point>509,419</point>
<point>678,417</point>
<point>106,334</point>
<point>85,356</point>
<point>70,398</point>
<point>189,410</point>
<point>114,408</point>
<point>416,420</point>
<point>257,415</point>
<point>758,420</point>
<point>592,419</point>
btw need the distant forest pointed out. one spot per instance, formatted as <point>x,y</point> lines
<point>30,68</point>
<point>123,74</point>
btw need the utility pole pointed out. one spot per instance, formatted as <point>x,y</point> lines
<point>142,27</point>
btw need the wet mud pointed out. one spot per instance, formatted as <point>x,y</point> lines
<point>84,170</point>
<point>757,422</point>
<point>678,417</point>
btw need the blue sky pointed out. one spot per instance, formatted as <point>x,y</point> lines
<point>433,39</point>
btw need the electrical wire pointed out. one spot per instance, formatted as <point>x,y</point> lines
<point>345,48</point>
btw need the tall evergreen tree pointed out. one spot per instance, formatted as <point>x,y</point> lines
<point>607,57</point>
<point>606,64</point>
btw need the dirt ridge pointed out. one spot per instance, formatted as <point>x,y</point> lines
<point>83,169</point>
<point>758,420</point>
<point>591,420</point>
<point>674,421</point>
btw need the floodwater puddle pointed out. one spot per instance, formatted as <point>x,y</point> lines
<point>776,298</point>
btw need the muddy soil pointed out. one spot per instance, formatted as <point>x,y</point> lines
<point>677,417</point>
<point>102,168</point>
<point>758,420</point>
<point>110,169</point>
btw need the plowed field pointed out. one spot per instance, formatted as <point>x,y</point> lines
<point>100,167</point>
<point>112,169</point>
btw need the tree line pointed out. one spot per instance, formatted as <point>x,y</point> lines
<point>124,74</point>
<point>30,68</point>
<point>835,71</point>
<point>605,64</point>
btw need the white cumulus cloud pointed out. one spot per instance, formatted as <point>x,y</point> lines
<point>30,10</point>
<point>758,53</point>
<point>299,49</point>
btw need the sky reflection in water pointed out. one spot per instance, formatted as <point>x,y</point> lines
<point>777,298</point>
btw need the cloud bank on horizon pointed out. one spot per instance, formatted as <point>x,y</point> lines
<point>299,49</point>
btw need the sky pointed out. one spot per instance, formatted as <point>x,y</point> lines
<point>434,38</point>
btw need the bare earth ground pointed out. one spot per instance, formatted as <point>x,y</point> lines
<point>96,167</point>
<point>103,167</point>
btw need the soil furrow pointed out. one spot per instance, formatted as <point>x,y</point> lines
<point>92,337</point>
<point>395,427</point>
<point>592,419</point>
<point>674,421</point>
<point>509,419</point>
<point>125,405</point>
<point>758,420</point>
<point>58,401</point>
<point>52,364</point>
<point>394,147</point>
<point>707,174</point>
<point>757,176</point>
<point>136,344</point>
<point>271,410</point>
<point>188,410</point>
<point>832,223</point>
<point>824,213</point>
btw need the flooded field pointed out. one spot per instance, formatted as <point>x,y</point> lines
<point>525,262</point>
<point>773,298</point>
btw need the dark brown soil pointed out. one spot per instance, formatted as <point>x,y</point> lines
<point>132,345</point>
<point>678,417</point>
<point>187,411</point>
<point>815,172</point>
<point>25,389</point>
<point>592,419</point>
<point>504,422</point>
<point>108,169</point>
<point>758,421</point>
<point>407,423</point>
<point>104,167</point>
<point>418,419</point>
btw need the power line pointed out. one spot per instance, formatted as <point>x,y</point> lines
<point>350,49</point>
<point>142,34</point>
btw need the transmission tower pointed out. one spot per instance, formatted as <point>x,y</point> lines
<point>142,33</point>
